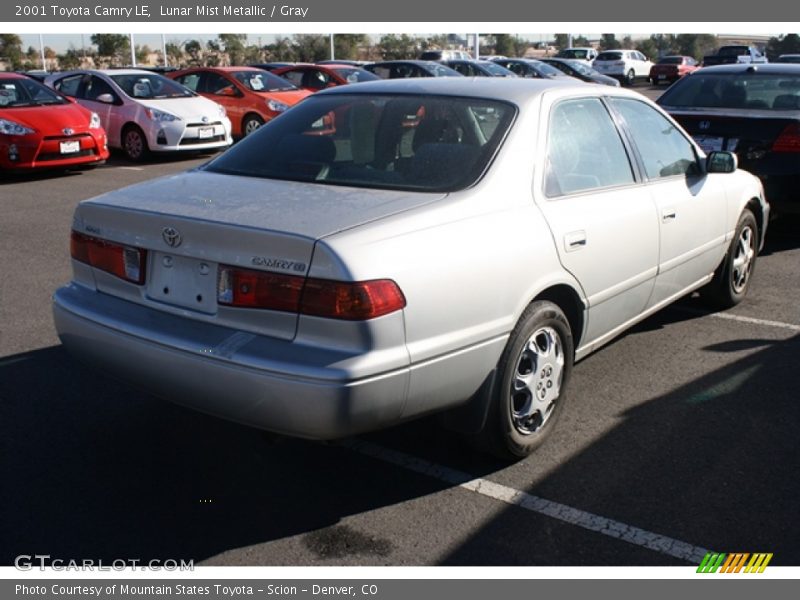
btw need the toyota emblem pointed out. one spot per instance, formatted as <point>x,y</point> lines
<point>171,236</point>
<point>205,119</point>
<point>68,131</point>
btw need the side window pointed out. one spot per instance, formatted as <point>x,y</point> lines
<point>584,149</point>
<point>216,83</point>
<point>69,85</point>
<point>190,80</point>
<point>296,77</point>
<point>96,87</point>
<point>316,80</point>
<point>664,149</point>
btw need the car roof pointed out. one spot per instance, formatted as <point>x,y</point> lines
<point>13,75</point>
<point>792,68</point>
<point>517,90</point>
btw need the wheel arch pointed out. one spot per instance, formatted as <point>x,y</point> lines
<point>569,301</point>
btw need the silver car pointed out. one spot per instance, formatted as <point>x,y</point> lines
<point>397,248</point>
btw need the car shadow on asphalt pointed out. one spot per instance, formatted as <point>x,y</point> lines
<point>92,468</point>
<point>712,463</point>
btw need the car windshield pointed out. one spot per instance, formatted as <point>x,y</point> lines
<point>356,75</point>
<point>581,68</point>
<point>496,70</point>
<point>27,92</point>
<point>148,86</point>
<point>420,143</point>
<point>438,70</point>
<point>789,58</point>
<point>546,69</point>
<point>574,53</point>
<point>262,81</point>
<point>753,90</point>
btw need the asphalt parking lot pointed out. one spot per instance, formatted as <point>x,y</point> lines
<point>680,437</point>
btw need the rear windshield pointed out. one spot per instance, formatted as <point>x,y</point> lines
<point>609,56</point>
<point>262,81</point>
<point>671,60</point>
<point>764,91</point>
<point>496,70</point>
<point>150,86</point>
<point>733,50</point>
<point>420,143</point>
<point>27,92</point>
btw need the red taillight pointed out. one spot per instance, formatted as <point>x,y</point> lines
<point>353,301</point>
<point>126,262</point>
<point>356,301</point>
<point>257,289</point>
<point>788,140</point>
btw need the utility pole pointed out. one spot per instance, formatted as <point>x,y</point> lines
<point>133,51</point>
<point>41,49</point>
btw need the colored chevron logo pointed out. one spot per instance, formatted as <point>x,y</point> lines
<point>735,562</point>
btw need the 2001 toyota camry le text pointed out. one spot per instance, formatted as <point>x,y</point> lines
<point>395,248</point>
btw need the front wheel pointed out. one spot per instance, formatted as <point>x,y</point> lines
<point>532,377</point>
<point>251,123</point>
<point>732,277</point>
<point>134,144</point>
<point>630,77</point>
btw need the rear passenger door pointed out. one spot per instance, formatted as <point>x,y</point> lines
<point>691,204</point>
<point>603,222</point>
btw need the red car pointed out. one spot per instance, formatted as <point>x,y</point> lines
<point>318,77</point>
<point>41,129</point>
<point>671,68</point>
<point>250,96</point>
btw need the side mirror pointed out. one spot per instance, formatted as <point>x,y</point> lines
<point>229,91</point>
<point>106,98</point>
<point>721,162</point>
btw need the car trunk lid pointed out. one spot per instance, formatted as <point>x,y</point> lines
<point>191,224</point>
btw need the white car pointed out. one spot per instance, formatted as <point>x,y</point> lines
<point>586,55</point>
<point>144,112</point>
<point>625,65</point>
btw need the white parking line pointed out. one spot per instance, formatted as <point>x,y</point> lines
<point>739,318</point>
<point>562,512</point>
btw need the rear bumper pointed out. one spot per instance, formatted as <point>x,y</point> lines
<point>250,379</point>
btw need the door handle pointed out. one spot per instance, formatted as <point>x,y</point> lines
<point>575,240</point>
<point>668,214</point>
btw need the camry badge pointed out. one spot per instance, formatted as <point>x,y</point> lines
<point>704,125</point>
<point>68,131</point>
<point>172,237</point>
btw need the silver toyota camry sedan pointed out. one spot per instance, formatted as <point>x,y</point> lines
<point>396,248</point>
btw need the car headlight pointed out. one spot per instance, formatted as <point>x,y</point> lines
<point>13,128</point>
<point>161,116</point>
<point>94,121</point>
<point>222,111</point>
<point>276,106</point>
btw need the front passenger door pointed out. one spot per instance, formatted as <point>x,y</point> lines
<point>691,204</point>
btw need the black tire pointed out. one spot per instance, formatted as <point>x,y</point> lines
<point>134,144</point>
<point>732,277</point>
<point>630,77</point>
<point>251,123</point>
<point>529,366</point>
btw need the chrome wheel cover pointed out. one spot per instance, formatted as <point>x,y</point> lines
<point>742,263</point>
<point>536,381</point>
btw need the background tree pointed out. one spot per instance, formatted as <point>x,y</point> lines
<point>648,47</point>
<point>347,45</point>
<point>195,51</point>
<point>561,40</point>
<point>609,41</point>
<point>175,54</point>
<point>71,59</point>
<point>696,45</point>
<point>282,50</point>
<point>233,44</point>
<point>505,45</point>
<point>311,47</point>
<point>784,44</point>
<point>11,49</point>
<point>397,47</point>
<point>142,52</point>
<point>112,45</point>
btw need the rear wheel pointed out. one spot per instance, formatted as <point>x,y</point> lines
<point>134,144</point>
<point>532,377</point>
<point>630,77</point>
<point>732,277</point>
